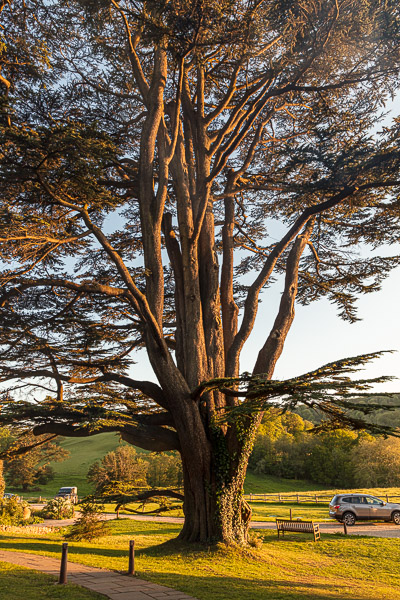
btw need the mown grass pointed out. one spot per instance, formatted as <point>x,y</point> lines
<point>18,583</point>
<point>294,568</point>
<point>268,484</point>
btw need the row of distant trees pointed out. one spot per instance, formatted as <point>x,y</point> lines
<point>340,458</point>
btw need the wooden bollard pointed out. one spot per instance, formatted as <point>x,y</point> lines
<point>131,568</point>
<point>63,567</point>
<point>290,514</point>
<point>344,528</point>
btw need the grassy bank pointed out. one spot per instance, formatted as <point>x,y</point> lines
<point>295,568</point>
<point>18,583</point>
<point>83,453</point>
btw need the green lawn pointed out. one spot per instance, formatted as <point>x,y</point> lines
<point>268,484</point>
<point>295,568</point>
<point>18,583</point>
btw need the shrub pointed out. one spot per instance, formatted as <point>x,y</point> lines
<point>58,508</point>
<point>12,511</point>
<point>90,524</point>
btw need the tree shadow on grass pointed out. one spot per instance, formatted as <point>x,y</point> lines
<point>239,588</point>
<point>54,548</point>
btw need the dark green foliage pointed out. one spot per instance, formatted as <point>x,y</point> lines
<point>164,470</point>
<point>336,397</point>
<point>386,410</point>
<point>330,459</point>
<point>90,525</point>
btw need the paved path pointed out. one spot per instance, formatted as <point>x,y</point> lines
<point>109,583</point>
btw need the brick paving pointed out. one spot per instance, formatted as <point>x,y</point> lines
<point>109,583</point>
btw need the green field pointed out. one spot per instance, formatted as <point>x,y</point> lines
<point>268,484</point>
<point>295,568</point>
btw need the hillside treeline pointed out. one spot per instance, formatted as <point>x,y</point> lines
<point>381,416</point>
<point>285,448</point>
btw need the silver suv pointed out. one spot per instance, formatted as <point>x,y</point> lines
<point>355,506</point>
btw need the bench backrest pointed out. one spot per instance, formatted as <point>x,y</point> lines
<point>296,525</point>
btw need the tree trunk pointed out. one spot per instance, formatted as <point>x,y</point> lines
<point>214,506</point>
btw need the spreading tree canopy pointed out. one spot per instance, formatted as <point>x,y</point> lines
<point>151,151</point>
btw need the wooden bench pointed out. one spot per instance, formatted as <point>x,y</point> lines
<point>283,525</point>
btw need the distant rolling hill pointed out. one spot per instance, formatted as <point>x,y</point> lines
<point>72,472</point>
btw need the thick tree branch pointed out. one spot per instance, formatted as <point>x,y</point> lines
<point>273,347</point>
<point>156,439</point>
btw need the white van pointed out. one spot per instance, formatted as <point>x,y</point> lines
<point>71,493</point>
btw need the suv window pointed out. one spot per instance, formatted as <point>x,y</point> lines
<point>347,499</point>
<point>374,501</point>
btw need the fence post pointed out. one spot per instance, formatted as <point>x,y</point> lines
<point>279,496</point>
<point>316,499</point>
<point>297,498</point>
<point>131,569</point>
<point>63,567</point>
<point>387,499</point>
<point>290,513</point>
<point>345,528</point>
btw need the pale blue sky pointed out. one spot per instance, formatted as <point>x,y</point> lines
<point>319,336</point>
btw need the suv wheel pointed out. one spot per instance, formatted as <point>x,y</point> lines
<point>396,517</point>
<point>349,518</point>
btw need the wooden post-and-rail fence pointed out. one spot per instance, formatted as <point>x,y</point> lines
<point>298,498</point>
